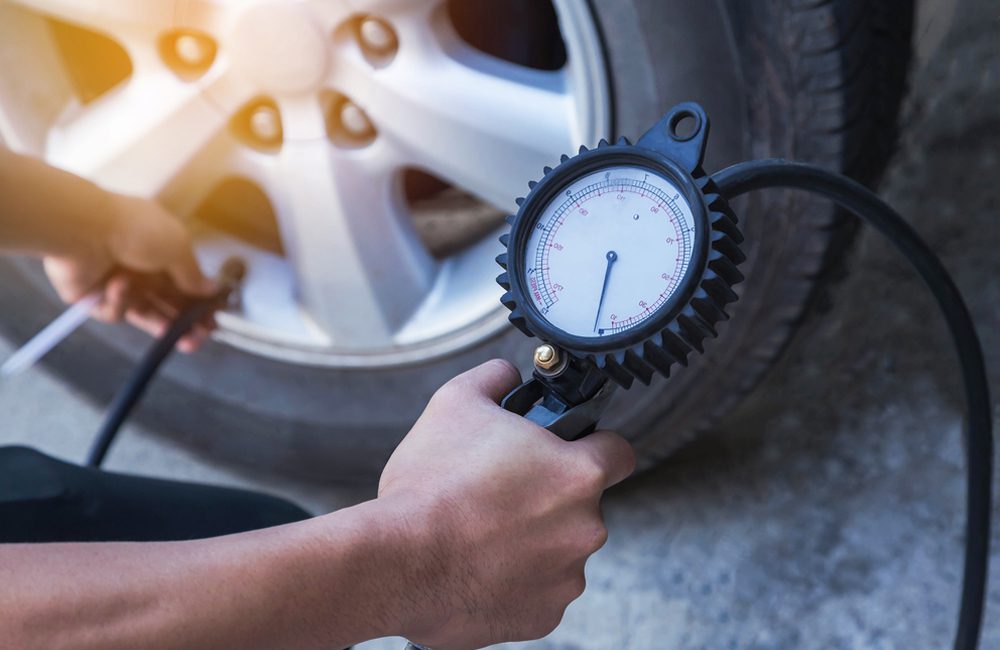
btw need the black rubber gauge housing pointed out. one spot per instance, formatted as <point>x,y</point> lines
<point>697,303</point>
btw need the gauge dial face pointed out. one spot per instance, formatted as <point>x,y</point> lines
<point>609,251</point>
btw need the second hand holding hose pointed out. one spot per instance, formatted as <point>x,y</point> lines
<point>230,278</point>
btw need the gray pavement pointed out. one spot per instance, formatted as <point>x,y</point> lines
<point>828,511</point>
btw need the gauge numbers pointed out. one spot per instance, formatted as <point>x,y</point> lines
<point>609,251</point>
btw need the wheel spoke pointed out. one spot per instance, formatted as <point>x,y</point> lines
<point>222,157</point>
<point>106,15</point>
<point>138,137</point>
<point>480,123</point>
<point>360,268</point>
<point>330,14</point>
<point>210,16</point>
<point>391,7</point>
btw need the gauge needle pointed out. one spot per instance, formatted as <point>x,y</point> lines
<point>612,257</point>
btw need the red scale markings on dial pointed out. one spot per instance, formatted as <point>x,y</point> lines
<point>601,215</point>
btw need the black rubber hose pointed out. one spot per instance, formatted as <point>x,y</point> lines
<point>866,205</point>
<point>128,397</point>
<point>135,387</point>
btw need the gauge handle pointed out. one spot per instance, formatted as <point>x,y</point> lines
<point>538,402</point>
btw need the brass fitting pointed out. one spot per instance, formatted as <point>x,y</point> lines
<point>547,357</point>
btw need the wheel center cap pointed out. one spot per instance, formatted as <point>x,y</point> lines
<point>277,45</point>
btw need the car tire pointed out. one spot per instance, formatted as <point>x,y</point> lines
<point>819,81</point>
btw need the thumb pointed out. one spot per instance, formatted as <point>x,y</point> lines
<point>492,380</point>
<point>609,452</point>
<point>146,237</point>
<point>187,275</point>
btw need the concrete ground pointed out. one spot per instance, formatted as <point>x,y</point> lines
<point>828,511</point>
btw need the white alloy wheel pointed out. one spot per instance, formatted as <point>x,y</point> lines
<point>324,106</point>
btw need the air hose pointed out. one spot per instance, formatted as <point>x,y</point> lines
<point>866,205</point>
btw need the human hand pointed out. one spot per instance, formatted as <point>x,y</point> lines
<point>507,511</point>
<point>156,271</point>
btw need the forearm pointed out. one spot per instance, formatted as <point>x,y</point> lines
<point>325,583</point>
<point>44,210</point>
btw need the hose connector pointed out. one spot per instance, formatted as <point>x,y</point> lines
<point>230,280</point>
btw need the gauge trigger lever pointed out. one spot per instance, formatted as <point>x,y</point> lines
<point>540,402</point>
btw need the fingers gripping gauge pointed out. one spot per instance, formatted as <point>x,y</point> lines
<point>621,260</point>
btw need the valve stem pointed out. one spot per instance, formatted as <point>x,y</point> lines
<point>547,357</point>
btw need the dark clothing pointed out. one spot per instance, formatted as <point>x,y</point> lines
<point>47,500</point>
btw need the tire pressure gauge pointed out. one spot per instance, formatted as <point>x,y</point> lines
<point>621,260</point>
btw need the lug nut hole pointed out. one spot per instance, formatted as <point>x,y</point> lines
<point>376,35</point>
<point>347,124</point>
<point>258,125</point>
<point>373,36</point>
<point>189,54</point>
